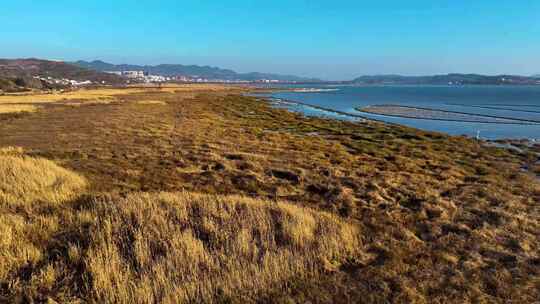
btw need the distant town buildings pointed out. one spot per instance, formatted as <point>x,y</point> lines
<point>64,81</point>
<point>142,76</point>
<point>269,81</point>
<point>129,74</point>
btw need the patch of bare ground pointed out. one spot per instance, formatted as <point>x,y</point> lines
<point>440,219</point>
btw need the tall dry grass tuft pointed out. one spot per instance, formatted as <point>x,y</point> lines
<point>169,248</point>
<point>25,180</point>
<point>4,151</point>
<point>152,248</point>
<point>30,190</point>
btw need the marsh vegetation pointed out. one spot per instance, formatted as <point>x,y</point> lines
<point>202,195</point>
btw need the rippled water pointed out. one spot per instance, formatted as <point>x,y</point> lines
<point>519,102</point>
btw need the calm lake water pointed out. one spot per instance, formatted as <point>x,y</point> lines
<point>521,102</point>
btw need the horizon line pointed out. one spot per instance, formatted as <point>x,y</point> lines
<point>277,73</point>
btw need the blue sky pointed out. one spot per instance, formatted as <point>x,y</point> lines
<point>326,39</point>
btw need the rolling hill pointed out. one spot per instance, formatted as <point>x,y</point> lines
<point>189,70</point>
<point>22,72</point>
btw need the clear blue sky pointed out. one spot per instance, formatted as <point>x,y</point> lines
<point>322,38</point>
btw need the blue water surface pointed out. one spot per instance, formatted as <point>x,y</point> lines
<point>520,102</point>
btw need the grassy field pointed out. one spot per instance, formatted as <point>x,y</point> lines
<point>197,194</point>
<point>14,108</point>
<point>106,93</point>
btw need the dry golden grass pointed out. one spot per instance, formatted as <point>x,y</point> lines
<point>188,87</point>
<point>11,151</point>
<point>109,93</point>
<point>181,247</point>
<point>26,253</point>
<point>441,219</point>
<point>26,180</point>
<point>15,108</point>
<point>74,95</point>
<point>167,248</point>
<point>93,102</point>
<point>151,102</point>
<point>28,186</point>
<point>152,248</point>
<point>16,247</point>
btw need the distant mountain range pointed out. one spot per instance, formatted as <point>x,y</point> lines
<point>23,74</point>
<point>536,76</point>
<point>190,71</point>
<point>455,79</point>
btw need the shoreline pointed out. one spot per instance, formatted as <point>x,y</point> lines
<point>288,101</point>
<point>514,144</point>
<point>519,146</point>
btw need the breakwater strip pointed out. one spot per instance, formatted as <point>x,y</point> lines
<point>497,104</point>
<point>495,107</point>
<point>442,115</point>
